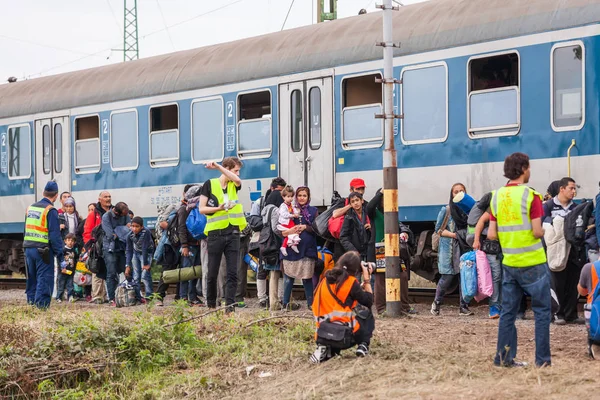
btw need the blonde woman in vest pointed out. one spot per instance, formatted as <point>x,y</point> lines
<point>225,221</point>
<point>516,221</point>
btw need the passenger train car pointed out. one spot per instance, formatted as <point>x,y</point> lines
<point>480,79</point>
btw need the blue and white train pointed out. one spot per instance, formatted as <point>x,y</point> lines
<point>480,79</point>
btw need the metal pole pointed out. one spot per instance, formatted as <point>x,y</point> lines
<point>319,11</point>
<point>390,174</point>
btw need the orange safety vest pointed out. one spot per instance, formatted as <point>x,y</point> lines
<point>326,307</point>
<point>591,291</point>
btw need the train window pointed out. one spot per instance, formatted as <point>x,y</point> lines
<point>87,144</point>
<point>19,152</point>
<point>124,151</point>
<point>207,130</point>
<point>164,135</point>
<point>58,149</point>
<point>297,130</point>
<point>314,111</point>
<point>361,100</point>
<point>494,85</point>
<point>254,124</point>
<point>567,86</point>
<point>46,148</point>
<point>424,102</point>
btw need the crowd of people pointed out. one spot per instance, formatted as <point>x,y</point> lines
<point>279,231</point>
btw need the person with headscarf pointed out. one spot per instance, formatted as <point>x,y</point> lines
<point>301,265</point>
<point>271,209</point>
<point>450,222</point>
<point>68,217</point>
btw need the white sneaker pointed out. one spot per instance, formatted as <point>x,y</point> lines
<point>58,300</point>
<point>362,350</point>
<point>322,353</point>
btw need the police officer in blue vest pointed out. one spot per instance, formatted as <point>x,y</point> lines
<point>42,242</point>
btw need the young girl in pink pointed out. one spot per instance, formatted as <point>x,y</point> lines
<point>287,213</point>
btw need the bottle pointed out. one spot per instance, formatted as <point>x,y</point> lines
<point>252,262</point>
<point>579,229</point>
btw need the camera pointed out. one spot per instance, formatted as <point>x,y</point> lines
<point>369,266</point>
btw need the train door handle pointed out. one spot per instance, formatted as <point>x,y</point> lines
<point>301,161</point>
<point>308,160</point>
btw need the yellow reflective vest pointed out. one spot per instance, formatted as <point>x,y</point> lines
<point>511,206</point>
<point>223,218</point>
<point>36,224</point>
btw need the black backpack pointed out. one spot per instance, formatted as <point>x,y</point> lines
<point>98,238</point>
<point>173,232</point>
<point>269,243</point>
<point>572,235</point>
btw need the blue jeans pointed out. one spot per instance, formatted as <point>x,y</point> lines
<point>160,248</point>
<point>141,275</point>
<point>115,265</point>
<point>40,278</point>
<point>496,268</point>
<point>64,282</point>
<point>187,289</point>
<point>447,284</point>
<point>288,285</point>
<point>535,281</point>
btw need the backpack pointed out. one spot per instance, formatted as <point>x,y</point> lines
<point>334,225</point>
<point>584,210</point>
<point>255,221</point>
<point>594,307</point>
<point>269,243</point>
<point>173,232</point>
<point>98,238</point>
<point>125,294</point>
<point>195,223</point>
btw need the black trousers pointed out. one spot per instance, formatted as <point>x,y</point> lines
<point>229,246</point>
<point>242,282</point>
<point>565,285</point>
<point>162,286</point>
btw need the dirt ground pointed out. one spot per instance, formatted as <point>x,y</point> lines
<point>421,357</point>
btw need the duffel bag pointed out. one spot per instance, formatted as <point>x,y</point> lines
<point>125,294</point>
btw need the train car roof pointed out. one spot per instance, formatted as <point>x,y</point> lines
<point>422,27</point>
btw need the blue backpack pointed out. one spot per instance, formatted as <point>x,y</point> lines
<point>195,223</point>
<point>595,309</point>
<point>468,275</point>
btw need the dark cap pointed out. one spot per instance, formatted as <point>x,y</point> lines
<point>51,186</point>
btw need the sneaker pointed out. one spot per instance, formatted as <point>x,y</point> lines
<point>263,304</point>
<point>292,307</point>
<point>321,354</point>
<point>362,350</point>
<point>72,299</point>
<point>240,304</point>
<point>514,364</point>
<point>230,309</point>
<point>435,308</point>
<point>494,312</point>
<point>595,352</point>
<point>143,301</point>
<point>112,303</point>
<point>196,303</point>
<point>97,301</point>
<point>559,321</point>
<point>577,321</point>
<point>58,300</point>
<point>464,311</point>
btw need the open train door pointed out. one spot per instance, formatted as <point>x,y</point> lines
<point>52,154</point>
<point>306,136</point>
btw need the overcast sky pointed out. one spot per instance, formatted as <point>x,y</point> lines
<point>42,37</point>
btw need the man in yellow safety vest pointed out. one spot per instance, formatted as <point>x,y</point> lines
<point>516,221</point>
<point>42,242</point>
<point>225,220</point>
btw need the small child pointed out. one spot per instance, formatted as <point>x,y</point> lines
<point>287,213</point>
<point>140,247</point>
<point>67,269</point>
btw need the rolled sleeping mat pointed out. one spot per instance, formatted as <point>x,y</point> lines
<point>182,274</point>
<point>464,201</point>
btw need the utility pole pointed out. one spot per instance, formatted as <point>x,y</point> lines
<point>393,268</point>
<point>322,15</point>
<point>130,31</point>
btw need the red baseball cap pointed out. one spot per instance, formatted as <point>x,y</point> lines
<point>357,183</point>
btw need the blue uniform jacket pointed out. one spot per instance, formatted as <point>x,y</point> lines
<point>56,241</point>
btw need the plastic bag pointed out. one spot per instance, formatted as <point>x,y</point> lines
<point>485,284</point>
<point>321,223</point>
<point>468,275</point>
<point>82,279</point>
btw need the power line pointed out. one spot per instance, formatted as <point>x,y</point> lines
<point>165,24</point>
<point>45,45</point>
<point>67,63</point>
<point>114,16</point>
<point>287,15</point>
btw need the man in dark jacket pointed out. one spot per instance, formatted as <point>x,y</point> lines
<point>114,225</point>
<point>565,281</point>
<point>190,247</point>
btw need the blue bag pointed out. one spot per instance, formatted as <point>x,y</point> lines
<point>594,331</point>
<point>195,223</point>
<point>468,276</point>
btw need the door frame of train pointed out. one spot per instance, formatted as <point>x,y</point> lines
<point>62,176</point>
<point>308,165</point>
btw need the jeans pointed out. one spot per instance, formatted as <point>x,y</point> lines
<point>160,247</point>
<point>219,245</point>
<point>40,279</point>
<point>187,289</point>
<point>448,283</point>
<point>496,267</point>
<point>141,275</point>
<point>288,285</point>
<point>64,282</point>
<point>534,281</point>
<point>115,265</point>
